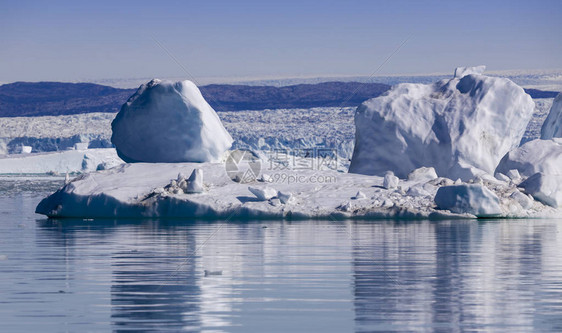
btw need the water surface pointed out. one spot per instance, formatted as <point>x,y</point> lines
<point>277,276</point>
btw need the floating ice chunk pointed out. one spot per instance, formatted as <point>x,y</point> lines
<point>552,126</point>
<point>522,199</point>
<point>195,182</point>
<point>534,156</point>
<point>169,122</point>
<point>545,188</point>
<point>390,181</point>
<point>462,127</point>
<point>285,197</point>
<point>422,174</point>
<point>263,193</point>
<point>463,71</point>
<point>472,199</point>
<point>26,149</point>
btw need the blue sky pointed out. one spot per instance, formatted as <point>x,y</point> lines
<point>91,40</point>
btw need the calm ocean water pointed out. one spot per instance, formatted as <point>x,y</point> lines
<point>277,276</point>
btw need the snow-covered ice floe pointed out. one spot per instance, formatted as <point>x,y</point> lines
<point>150,190</point>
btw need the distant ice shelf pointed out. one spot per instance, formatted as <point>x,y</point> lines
<point>70,161</point>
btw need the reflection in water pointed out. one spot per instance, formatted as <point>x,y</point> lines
<point>272,277</point>
<point>67,275</point>
<point>146,294</point>
<point>447,275</point>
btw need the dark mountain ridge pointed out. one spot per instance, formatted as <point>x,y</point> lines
<point>26,99</point>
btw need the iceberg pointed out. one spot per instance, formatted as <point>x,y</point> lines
<point>169,122</point>
<point>461,127</point>
<point>552,126</point>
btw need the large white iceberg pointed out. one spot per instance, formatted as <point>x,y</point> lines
<point>462,127</point>
<point>534,156</point>
<point>552,126</point>
<point>169,122</point>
